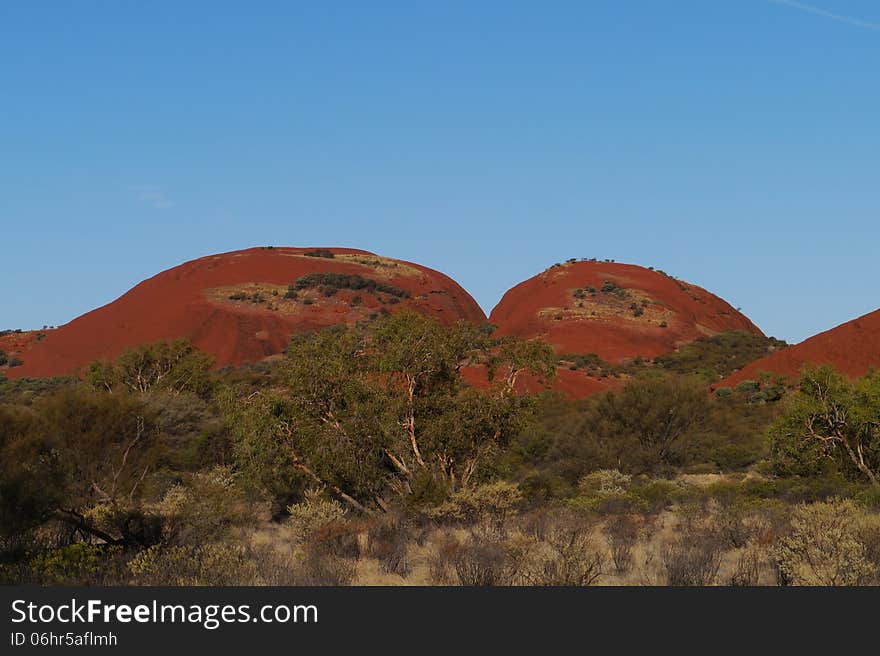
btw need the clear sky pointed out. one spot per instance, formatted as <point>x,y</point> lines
<point>732,143</point>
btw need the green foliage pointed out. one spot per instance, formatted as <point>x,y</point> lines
<point>656,412</point>
<point>314,513</point>
<point>74,564</point>
<point>73,452</point>
<point>253,297</point>
<point>511,357</point>
<point>188,565</point>
<point>23,391</point>
<point>204,509</point>
<point>30,469</point>
<point>494,502</point>
<point>831,422</point>
<point>370,411</point>
<point>331,282</point>
<point>591,364</point>
<point>176,367</point>
<point>611,287</point>
<point>604,483</point>
<point>568,440</point>
<point>320,252</point>
<point>719,355</point>
<point>3,357</point>
<point>135,477</point>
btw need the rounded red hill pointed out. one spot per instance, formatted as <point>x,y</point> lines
<point>236,307</point>
<point>853,348</point>
<point>616,311</point>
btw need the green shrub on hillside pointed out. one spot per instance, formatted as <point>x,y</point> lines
<point>720,355</point>
<point>832,421</point>
<point>611,287</point>
<point>331,282</point>
<point>591,364</point>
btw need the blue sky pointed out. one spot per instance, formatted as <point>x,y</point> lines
<point>732,143</point>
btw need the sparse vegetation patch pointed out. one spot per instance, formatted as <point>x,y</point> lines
<point>331,282</point>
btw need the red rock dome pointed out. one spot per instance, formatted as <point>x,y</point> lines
<point>236,307</point>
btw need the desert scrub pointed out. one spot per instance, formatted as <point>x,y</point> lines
<point>205,509</point>
<point>313,513</point>
<point>75,564</point>
<point>494,502</point>
<point>481,559</point>
<point>623,534</point>
<point>331,282</point>
<point>567,556</point>
<point>605,491</point>
<point>318,568</point>
<point>611,287</point>
<point>825,546</point>
<point>213,564</point>
<point>387,542</point>
<point>604,482</point>
<point>692,558</point>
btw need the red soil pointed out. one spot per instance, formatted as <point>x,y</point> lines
<point>192,300</point>
<point>851,348</point>
<point>17,343</point>
<point>603,323</point>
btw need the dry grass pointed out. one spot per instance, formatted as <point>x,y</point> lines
<point>683,546</point>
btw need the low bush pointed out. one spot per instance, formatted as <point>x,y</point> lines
<point>568,558</point>
<point>387,541</point>
<point>483,560</point>
<point>75,564</point>
<point>314,512</point>
<point>611,287</point>
<point>747,570</point>
<point>492,502</point>
<point>335,281</point>
<point>213,564</point>
<point>623,533</point>
<point>320,568</point>
<point>825,546</point>
<point>692,557</point>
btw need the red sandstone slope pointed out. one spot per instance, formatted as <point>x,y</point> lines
<point>193,300</point>
<point>15,343</point>
<point>851,348</point>
<point>652,315</point>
